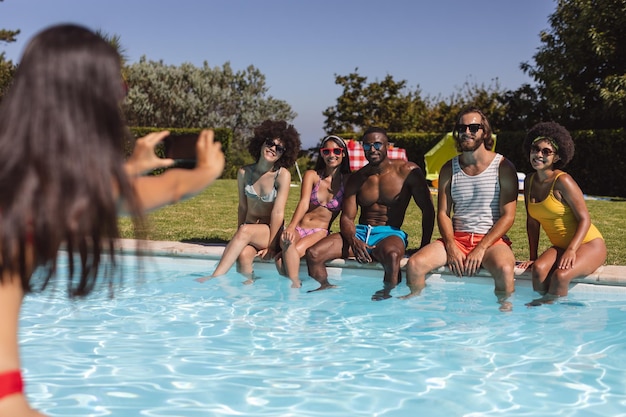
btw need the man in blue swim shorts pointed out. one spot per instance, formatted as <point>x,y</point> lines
<point>382,190</point>
<point>371,235</point>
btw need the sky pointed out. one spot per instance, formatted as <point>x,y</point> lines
<point>301,45</point>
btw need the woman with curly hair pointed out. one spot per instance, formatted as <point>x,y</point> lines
<point>321,196</point>
<point>555,202</point>
<point>263,190</point>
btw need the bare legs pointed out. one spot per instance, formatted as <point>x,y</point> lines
<point>498,260</point>
<point>242,248</point>
<point>422,262</point>
<point>292,251</point>
<point>389,252</point>
<point>331,247</point>
<point>552,282</point>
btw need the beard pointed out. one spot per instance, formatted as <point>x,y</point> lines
<point>467,146</point>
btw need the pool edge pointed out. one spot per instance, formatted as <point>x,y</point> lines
<point>613,275</point>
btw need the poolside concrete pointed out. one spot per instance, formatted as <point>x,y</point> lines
<point>605,275</point>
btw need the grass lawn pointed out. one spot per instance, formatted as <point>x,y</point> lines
<point>212,217</point>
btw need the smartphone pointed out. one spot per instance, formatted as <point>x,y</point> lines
<point>182,149</point>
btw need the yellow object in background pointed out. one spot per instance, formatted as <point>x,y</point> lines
<point>441,153</point>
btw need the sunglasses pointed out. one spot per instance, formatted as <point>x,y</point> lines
<point>473,127</point>
<point>376,145</point>
<point>270,143</point>
<point>545,152</point>
<point>328,151</point>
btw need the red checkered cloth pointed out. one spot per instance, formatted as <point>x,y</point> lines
<point>357,156</point>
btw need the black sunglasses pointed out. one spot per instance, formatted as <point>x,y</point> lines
<point>473,127</point>
<point>270,143</point>
<point>327,151</point>
<point>545,152</point>
<point>368,146</point>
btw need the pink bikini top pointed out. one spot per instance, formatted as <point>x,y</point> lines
<point>334,204</point>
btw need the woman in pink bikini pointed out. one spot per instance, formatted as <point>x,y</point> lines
<point>321,196</point>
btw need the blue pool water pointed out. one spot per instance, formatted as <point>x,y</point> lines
<point>166,345</point>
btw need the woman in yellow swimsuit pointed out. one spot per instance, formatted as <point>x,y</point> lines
<point>263,191</point>
<point>555,202</point>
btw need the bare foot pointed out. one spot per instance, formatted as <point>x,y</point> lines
<point>381,295</point>
<point>203,279</point>
<point>546,299</point>
<point>415,291</point>
<point>506,306</point>
<point>503,300</point>
<point>323,287</point>
<point>250,278</point>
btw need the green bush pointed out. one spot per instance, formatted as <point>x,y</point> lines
<point>598,164</point>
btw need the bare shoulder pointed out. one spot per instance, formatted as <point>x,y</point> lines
<point>241,172</point>
<point>565,181</point>
<point>507,167</point>
<point>284,175</point>
<point>404,167</point>
<point>245,168</point>
<point>311,174</point>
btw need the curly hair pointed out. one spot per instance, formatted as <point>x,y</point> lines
<point>488,139</point>
<point>320,165</point>
<point>556,134</point>
<point>276,129</point>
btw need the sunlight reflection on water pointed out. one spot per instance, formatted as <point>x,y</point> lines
<point>167,345</point>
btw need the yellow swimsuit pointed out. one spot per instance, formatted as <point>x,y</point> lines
<point>557,219</point>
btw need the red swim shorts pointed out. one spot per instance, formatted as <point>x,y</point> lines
<point>468,241</point>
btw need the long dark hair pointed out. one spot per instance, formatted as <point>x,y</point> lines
<point>61,142</point>
<point>344,168</point>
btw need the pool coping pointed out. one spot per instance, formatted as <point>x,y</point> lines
<point>605,275</point>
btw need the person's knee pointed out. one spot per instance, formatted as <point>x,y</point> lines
<point>415,265</point>
<point>313,255</point>
<point>247,255</point>
<point>561,276</point>
<point>243,233</point>
<point>507,270</point>
<point>391,258</point>
<point>539,270</point>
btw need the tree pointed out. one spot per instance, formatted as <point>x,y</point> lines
<point>187,96</point>
<point>580,69</point>
<point>7,68</point>
<point>393,106</point>
<point>523,109</point>
<point>387,103</point>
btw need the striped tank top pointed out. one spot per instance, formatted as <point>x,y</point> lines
<point>475,199</point>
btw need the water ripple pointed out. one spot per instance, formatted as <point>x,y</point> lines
<point>168,346</point>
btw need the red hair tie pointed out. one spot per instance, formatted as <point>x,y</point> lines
<point>11,383</point>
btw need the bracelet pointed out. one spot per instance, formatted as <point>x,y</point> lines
<point>11,383</point>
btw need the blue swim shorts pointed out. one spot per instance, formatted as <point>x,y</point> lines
<point>371,235</point>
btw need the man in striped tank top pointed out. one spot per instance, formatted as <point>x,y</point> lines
<point>476,207</point>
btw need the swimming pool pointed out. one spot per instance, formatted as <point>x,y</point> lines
<point>166,345</point>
